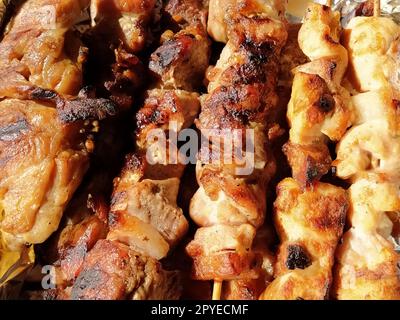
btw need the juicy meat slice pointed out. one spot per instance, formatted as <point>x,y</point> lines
<point>75,242</point>
<point>112,271</point>
<point>42,163</point>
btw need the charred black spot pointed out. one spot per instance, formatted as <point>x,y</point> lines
<point>326,103</point>
<point>12,131</point>
<point>297,257</point>
<point>258,53</point>
<point>249,73</point>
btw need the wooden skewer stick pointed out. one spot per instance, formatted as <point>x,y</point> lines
<point>377,8</point>
<point>329,3</point>
<point>217,290</point>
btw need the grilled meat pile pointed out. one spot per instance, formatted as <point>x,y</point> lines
<point>189,149</point>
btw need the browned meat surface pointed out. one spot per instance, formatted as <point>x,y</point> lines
<point>112,271</point>
<point>44,144</point>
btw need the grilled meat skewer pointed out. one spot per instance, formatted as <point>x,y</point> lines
<point>310,215</point>
<point>230,207</point>
<point>144,219</point>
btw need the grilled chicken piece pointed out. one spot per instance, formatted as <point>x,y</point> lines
<point>42,163</point>
<point>310,224</point>
<point>180,62</point>
<point>75,241</point>
<point>222,250</point>
<point>310,215</point>
<point>85,220</point>
<point>126,20</point>
<point>264,260</point>
<point>373,45</point>
<point>218,20</point>
<point>230,206</point>
<point>113,271</point>
<point>319,109</point>
<point>368,263</point>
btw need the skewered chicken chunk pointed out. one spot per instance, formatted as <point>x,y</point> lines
<point>230,206</point>
<point>309,224</point>
<point>368,264</point>
<point>319,109</point>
